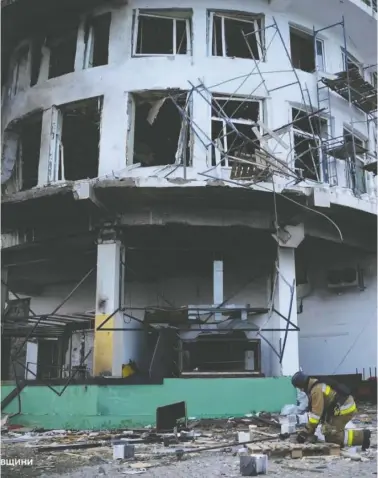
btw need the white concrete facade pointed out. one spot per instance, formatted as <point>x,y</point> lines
<point>127,73</point>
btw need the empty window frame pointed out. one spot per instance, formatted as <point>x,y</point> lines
<point>75,137</point>
<point>162,32</point>
<point>355,173</point>
<point>373,79</point>
<point>21,150</point>
<point>36,58</point>
<point>19,71</point>
<point>307,134</point>
<point>232,123</point>
<point>235,35</point>
<point>220,354</point>
<point>62,52</point>
<point>351,63</point>
<point>303,55</point>
<point>96,38</point>
<point>160,132</point>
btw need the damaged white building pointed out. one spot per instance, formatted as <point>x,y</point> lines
<point>188,192</point>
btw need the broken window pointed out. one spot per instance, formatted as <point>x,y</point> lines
<point>75,136</point>
<point>232,124</point>
<point>21,148</point>
<point>96,39</point>
<point>357,149</point>
<point>220,353</point>
<point>162,32</point>
<point>307,134</point>
<point>62,51</point>
<point>19,78</point>
<point>237,35</point>
<point>161,131</point>
<point>303,55</point>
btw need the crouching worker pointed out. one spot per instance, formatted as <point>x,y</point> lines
<point>331,405</point>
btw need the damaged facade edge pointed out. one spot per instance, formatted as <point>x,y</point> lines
<point>217,209</point>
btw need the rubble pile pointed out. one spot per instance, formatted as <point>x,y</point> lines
<point>138,450</point>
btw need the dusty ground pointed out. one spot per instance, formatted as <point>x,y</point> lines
<point>152,461</point>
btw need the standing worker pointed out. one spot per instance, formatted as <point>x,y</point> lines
<point>332,405</point>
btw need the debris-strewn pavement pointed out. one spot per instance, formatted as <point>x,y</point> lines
<point>156,460</point>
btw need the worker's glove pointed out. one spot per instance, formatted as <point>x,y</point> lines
<point>302,437</point>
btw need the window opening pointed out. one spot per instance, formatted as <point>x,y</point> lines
<point>20,70</point>
<point>302,51</point>
<point>36,59</point>
<point>21,150</point>
<point>373,79</point>
<point>62,52</point>
<point>162,32</point>
<point>97,33</point>
<point>228,35</point>
<point>350,62</point>
<point>161,135</point>
<point>357,178</point>
<point>229,115</point>
<point>221,353</point>
<point>75,136</point>
<point>307,134</point>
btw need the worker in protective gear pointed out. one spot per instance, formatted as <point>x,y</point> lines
<point>332,406</point>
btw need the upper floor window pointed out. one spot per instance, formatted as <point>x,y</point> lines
<point>160,133</point>
<point>307,134</point>
<point>162,32</point>
<point>237,35</point>
<point>62,51</point>
<point>232,129</point>
<point>373,78</point>
<point>351,63</point>
<point>356,149</point>
<point>304,54</point>
<point>96,40</point>
<point>19,70</point>
<point>20,154</point>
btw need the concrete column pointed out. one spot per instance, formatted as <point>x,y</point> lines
<point>285,301</point>
<point>114,348</point>
<point>31,360</point>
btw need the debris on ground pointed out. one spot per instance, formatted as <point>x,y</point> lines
<point>66,452</point>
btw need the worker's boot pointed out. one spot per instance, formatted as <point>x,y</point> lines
<point>366,440</point>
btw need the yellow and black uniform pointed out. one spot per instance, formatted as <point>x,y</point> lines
<point>324,409</point>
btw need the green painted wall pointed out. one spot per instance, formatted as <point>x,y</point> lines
<point>113,406</point>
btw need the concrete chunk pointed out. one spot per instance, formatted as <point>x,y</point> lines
<point>253,465</point>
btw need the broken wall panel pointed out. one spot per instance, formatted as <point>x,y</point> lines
<point>161,135</point>
<point>237,35</point>
<point>162,32</point>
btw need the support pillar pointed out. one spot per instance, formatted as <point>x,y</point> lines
<point>109,345</point>
<point>286,304</point>
<point>285,301</point>
<point>31,360</point>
